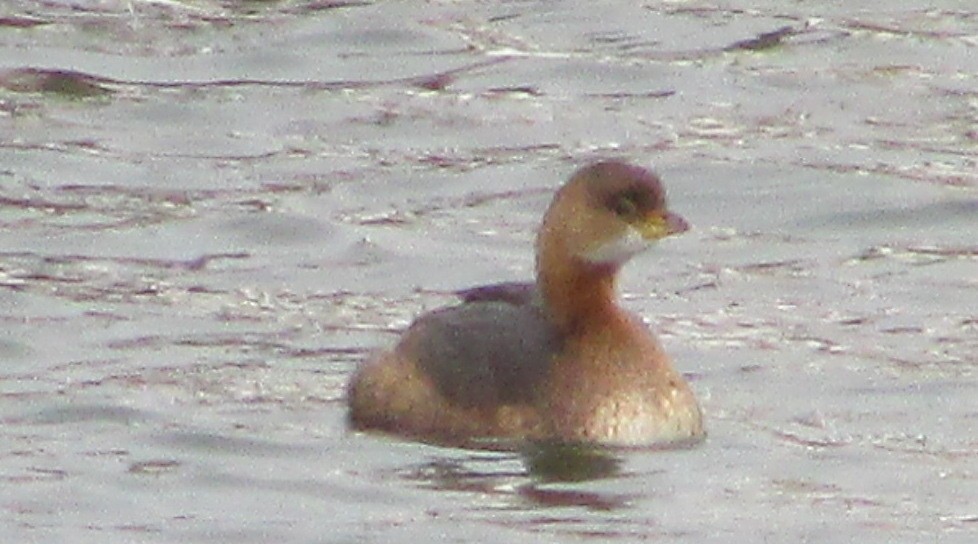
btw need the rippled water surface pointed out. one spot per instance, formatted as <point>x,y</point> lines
<point>211,212</point>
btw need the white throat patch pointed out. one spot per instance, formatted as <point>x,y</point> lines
<point>619,250</point>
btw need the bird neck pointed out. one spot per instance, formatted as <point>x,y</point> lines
<point>578,295</point>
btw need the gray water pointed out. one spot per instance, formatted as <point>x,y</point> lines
<point>211,212</point>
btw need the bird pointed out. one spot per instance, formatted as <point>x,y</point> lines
<point>555,360</point>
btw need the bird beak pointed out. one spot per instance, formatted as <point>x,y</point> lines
<point>661,224</point>
<point>675,223</point>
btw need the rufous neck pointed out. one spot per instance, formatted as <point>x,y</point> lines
<point>576,293</point>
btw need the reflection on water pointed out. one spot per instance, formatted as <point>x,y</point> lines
<point>531,478</point>
<point>556,462</point>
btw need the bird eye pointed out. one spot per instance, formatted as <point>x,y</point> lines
<point>624,206</point>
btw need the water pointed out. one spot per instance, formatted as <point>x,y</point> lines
<point>211,212</point>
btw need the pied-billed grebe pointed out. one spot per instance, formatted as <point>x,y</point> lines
<point>555,360</point>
